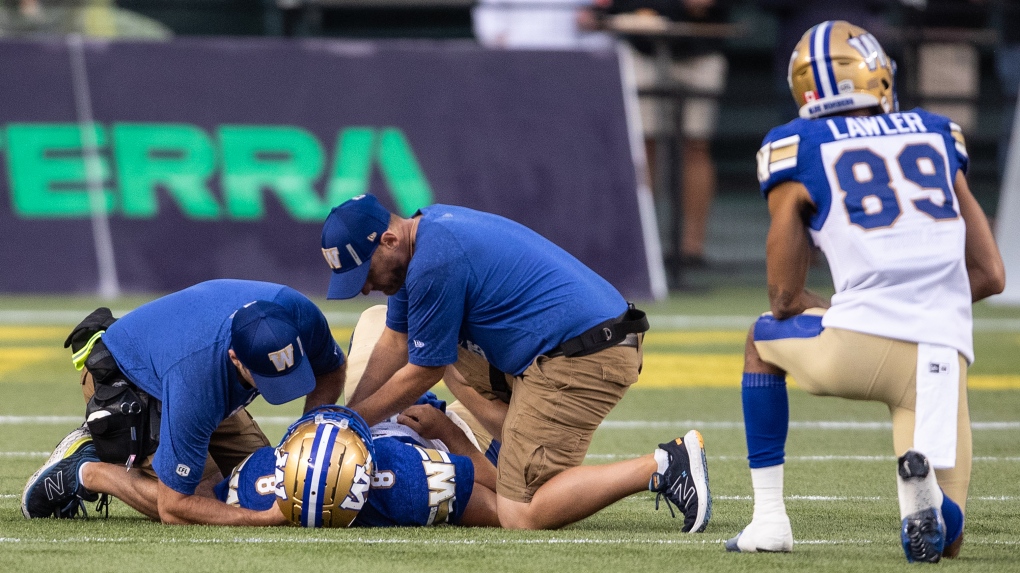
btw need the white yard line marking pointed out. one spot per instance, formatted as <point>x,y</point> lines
<point>661,321</point>
<point>39,317</point>
<point>794,425</point>
<point>827,498</point>
<point>606,425</point>
<point>434,542</point>
<point>1011,459</point>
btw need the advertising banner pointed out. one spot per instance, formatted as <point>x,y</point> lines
<point>206,158</point>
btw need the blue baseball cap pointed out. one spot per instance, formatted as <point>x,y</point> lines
<point>268,343</point>
<point>350,235</point>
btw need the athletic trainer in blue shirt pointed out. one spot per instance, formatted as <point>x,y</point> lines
<point>561,343</point>
<point>204,353</point>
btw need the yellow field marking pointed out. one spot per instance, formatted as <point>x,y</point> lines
<point>663,370</point>
<point>12,359</point>
<point>682,338</point>
<point>16,334</point>
<point>683,370</point>
<point>993,382</point>
<point>342,336</point>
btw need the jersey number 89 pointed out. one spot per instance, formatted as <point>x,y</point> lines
<point>920,164</point>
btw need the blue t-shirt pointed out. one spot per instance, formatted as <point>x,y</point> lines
<point>411,486</point>
<point>175,349</point>
<point>495,286</point>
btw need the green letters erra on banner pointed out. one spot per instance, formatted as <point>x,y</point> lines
<point>46,167</point>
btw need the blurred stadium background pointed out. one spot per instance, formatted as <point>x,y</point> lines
<point>984,70</point>
<point>141,62</point>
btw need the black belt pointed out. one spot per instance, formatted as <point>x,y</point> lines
<point>621,330</point>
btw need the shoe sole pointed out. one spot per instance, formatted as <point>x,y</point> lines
<point>923,535</point>
<point>695,445</point>
<point>66,448</point>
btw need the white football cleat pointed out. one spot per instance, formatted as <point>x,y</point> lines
<point>923,529</point>
<point>770,534</point>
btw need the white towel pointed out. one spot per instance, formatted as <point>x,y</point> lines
<point>938,398</point>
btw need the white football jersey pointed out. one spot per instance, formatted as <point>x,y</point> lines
<point>888,220</point>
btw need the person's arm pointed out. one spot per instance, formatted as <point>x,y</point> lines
<point>788,251</point>
<point>328,388</point>
<point>388,356</point>
<point>433,424</point>
<point>399,392</point>
<point>180,509</point>
<point>984,262</point>
<point>489,413</point>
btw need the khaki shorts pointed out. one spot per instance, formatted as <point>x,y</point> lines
<point>860,366</point>
<point>706,74</point>
<point>235,439</point>
<point>556,406</point>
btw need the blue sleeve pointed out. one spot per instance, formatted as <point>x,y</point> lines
<point>465,485</point>
<point>778,157</point>
<point>396,311</point>
<point>405,493</point>
<point>956,145</point>
<point>437,292</point>
<point>252,484</point>
<point>191,413</point>
<point>323,351</point>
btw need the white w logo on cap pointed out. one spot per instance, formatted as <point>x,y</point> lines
<point>332,257</point>
<point>283,359</point>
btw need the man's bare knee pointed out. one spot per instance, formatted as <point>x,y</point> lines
<point>519,515</point>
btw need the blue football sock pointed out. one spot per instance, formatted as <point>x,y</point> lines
<point>953,516</point>
<point>766,418</point>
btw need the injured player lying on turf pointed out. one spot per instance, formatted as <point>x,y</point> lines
<point>412,480</point>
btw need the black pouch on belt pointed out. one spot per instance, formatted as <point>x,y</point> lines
<point>122,418</point>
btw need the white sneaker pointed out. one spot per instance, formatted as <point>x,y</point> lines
<point>764,534</point>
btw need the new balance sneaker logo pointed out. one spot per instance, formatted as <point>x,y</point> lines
<point>54,486</point>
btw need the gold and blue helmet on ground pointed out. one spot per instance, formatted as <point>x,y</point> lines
<point>324,467</point>
<point>837,67</point>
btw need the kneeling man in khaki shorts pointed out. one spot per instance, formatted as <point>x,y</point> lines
<point>521,321</point>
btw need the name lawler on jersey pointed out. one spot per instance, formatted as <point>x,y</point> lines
<point>868,126</point>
